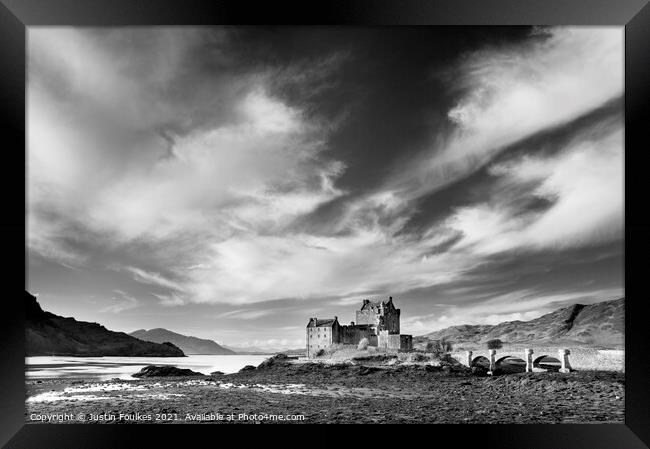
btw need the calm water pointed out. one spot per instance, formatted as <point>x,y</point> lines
<point>104,368</point>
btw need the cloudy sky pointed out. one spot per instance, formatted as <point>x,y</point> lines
<point>230,183</point>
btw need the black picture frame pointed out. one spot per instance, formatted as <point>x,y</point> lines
<point>16,15</point>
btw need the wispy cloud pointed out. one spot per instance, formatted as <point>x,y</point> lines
<point>584,183</point>
<point>195,179</point>
<point>515,91</point>
<point>120,302</point>
<point>246,314</point>
<point>153,278</point>
<point>170,300</point>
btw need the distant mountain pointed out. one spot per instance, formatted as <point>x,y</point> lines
<point>250,350</point>
<point>50,334</point>
<point>295,352</point>
<point>599,325</point>
<point>189,345</point>
<point>254,350</point>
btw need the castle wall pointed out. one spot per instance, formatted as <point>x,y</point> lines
<point>391,321</point>
<point>406,342</point>
<point>320,338</point>
<point>395,342</point>
<point>388,341</point>
<point>351,335</point>
<point>367,317</point>
<point>336,333</point>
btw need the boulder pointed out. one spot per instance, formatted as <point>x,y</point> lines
<point>165,371</point>
<point>247,368</point>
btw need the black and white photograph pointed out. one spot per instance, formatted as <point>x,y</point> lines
<point>322,224</point>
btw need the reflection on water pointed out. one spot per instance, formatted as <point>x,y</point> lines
<point>103,368</point>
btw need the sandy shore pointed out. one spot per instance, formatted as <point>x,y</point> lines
<point>314,393</point>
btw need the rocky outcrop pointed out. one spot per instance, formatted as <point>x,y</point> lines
<point>281,368</point>
<point>165,371</point>
<point>274,362</point>
<point>50,334</point>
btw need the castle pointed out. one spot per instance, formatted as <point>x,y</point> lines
<point>376,321</point>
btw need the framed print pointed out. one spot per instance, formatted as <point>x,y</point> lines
<point>364,213</point>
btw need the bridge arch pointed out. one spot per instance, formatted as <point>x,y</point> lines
<point>501,359</point>
<point>511,364</point>
<point>481,361</point>
<point>547,362</point>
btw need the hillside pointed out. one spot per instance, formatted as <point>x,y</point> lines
<point>189,345</point>
<point>598,325</point>
<point>50,334</point>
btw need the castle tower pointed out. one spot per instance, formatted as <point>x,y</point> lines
<point>381,314</point>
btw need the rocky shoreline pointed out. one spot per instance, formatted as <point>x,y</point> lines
<point>340,393</point>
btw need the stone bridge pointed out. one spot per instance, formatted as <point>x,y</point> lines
<point>533,362</point>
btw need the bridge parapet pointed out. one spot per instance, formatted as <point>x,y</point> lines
<point>489,359</point>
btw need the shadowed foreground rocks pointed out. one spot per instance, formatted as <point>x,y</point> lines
<point>352,393</point>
